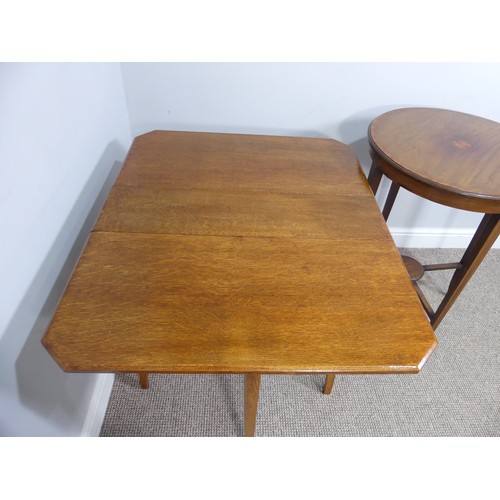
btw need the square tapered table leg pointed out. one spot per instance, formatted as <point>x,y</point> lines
<point>252,384</point>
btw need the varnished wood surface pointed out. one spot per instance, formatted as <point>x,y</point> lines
<point>190,160</point>
<point>214,212</point>
<point>446,156</point>
<point>228,304</point>
<point>221,267</point>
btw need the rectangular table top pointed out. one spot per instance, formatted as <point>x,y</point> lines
<point>222,253</point>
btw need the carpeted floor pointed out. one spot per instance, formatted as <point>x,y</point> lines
<point>457,393</point>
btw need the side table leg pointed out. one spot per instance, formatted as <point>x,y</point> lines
<point>391,198</point>
<point>327,388</point>
<point>252,384</point>
<point>374,177</point>
<point>483,239</point>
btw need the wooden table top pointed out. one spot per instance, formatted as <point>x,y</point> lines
<point>221,253</point>
<point>446,156</point>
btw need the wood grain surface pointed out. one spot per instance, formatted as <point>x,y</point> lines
<point>232,162</point>
<point>222,253</point>
<point>213,212</point>
<point>445,156</point>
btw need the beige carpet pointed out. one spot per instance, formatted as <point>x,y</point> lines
<point>457,393</point>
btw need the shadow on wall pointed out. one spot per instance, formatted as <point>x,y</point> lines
<point>145,127</point>
<point>354,133</point>
<point>54,396</point>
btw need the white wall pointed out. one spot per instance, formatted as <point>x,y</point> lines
<point>63,132</point>
<point>336,100</point>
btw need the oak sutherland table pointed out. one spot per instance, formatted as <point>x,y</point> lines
<point>219,253</point>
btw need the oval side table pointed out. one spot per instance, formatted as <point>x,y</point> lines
<point>450,158</point>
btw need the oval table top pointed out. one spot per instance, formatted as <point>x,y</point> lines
<point>446,156</point>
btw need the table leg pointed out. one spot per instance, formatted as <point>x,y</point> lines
<point>252,384</point>
<point>485,236</point>
<point>423,300</point>
<point>327,388</point>
<point>391,198</point>
<point>143,379</point>
<point>374,177</point>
